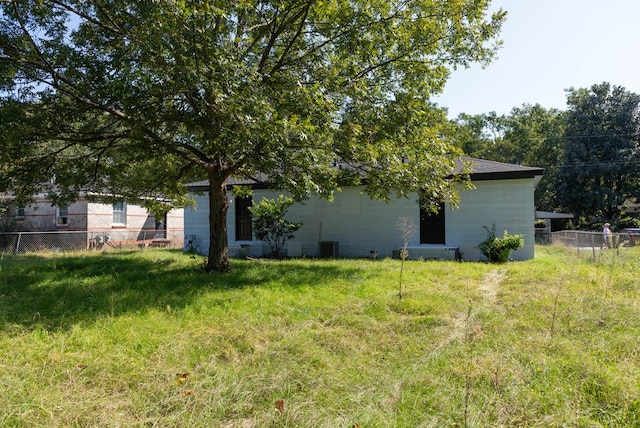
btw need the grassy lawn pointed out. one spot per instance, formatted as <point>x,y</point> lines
<point>146,339</point>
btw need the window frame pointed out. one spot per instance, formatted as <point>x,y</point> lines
<point>121,213</point>
<point>20,213</point>
<point>62,215</point>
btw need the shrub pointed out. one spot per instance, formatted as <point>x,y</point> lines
<point>498,250</point>
<point>269,224</point>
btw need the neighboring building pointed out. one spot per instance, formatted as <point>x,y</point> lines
<point>120,223</point>
<point>353,225</point>
<point>550,222</point>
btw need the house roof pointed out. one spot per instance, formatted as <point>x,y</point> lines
<point>481,169</point>
<point>552,215</point>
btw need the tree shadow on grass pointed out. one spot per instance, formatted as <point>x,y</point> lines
<point>57,292</point>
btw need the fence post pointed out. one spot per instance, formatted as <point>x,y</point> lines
<point>18,242</point>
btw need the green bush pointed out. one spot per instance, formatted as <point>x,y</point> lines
<point>498,250</point>
<point>269,224</point>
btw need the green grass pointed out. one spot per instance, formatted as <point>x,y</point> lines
<point>96,339</point>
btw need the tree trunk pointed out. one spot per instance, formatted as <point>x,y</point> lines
<point>218,204</point>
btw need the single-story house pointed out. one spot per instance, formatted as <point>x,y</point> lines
<point>353,225</point>
<point>96,222</point>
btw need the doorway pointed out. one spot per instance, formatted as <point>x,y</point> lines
<point>432,225</point>
<point>244,231</point>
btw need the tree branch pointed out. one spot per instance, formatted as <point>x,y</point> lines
<point>302,15</point>
<point>115,28</point>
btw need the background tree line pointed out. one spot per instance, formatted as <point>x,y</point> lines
<point>590,151</point>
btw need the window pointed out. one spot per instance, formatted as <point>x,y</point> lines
<point>119,213</point>
<point>62,215</point>
<point>19,213</point>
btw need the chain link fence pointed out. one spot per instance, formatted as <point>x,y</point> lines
<point>589,241</point>
<point>22,242</point>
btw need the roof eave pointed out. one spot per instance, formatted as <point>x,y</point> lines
<point>506,175</point>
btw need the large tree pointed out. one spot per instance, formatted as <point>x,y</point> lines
<point>134,97</point>
<point>480,135</point>
<point>534,137</point>
<point>529,135</point>
<point>600,170</point>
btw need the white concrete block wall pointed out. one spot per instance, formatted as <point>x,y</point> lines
<point>361,225</point>
<point>40,216</point>
<point>99,216</point>
<point>138,218</point>
<point>175,225</point>
<point>357,223</point>
<point>508,204</point>
<point>196,224</point>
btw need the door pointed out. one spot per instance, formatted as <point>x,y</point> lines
<point>161,227</point>
<point>243,219</point>
<point>432,226</point>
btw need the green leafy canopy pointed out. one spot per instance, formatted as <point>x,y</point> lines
<point>138,97</point>
<point>599,170</point>
<point>529,135</point>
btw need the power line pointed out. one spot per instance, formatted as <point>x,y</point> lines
<point>596,164</point>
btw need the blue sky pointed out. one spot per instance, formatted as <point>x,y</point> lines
<point>550,46</point>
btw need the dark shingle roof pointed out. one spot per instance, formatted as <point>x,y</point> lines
<point>481,169</point>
